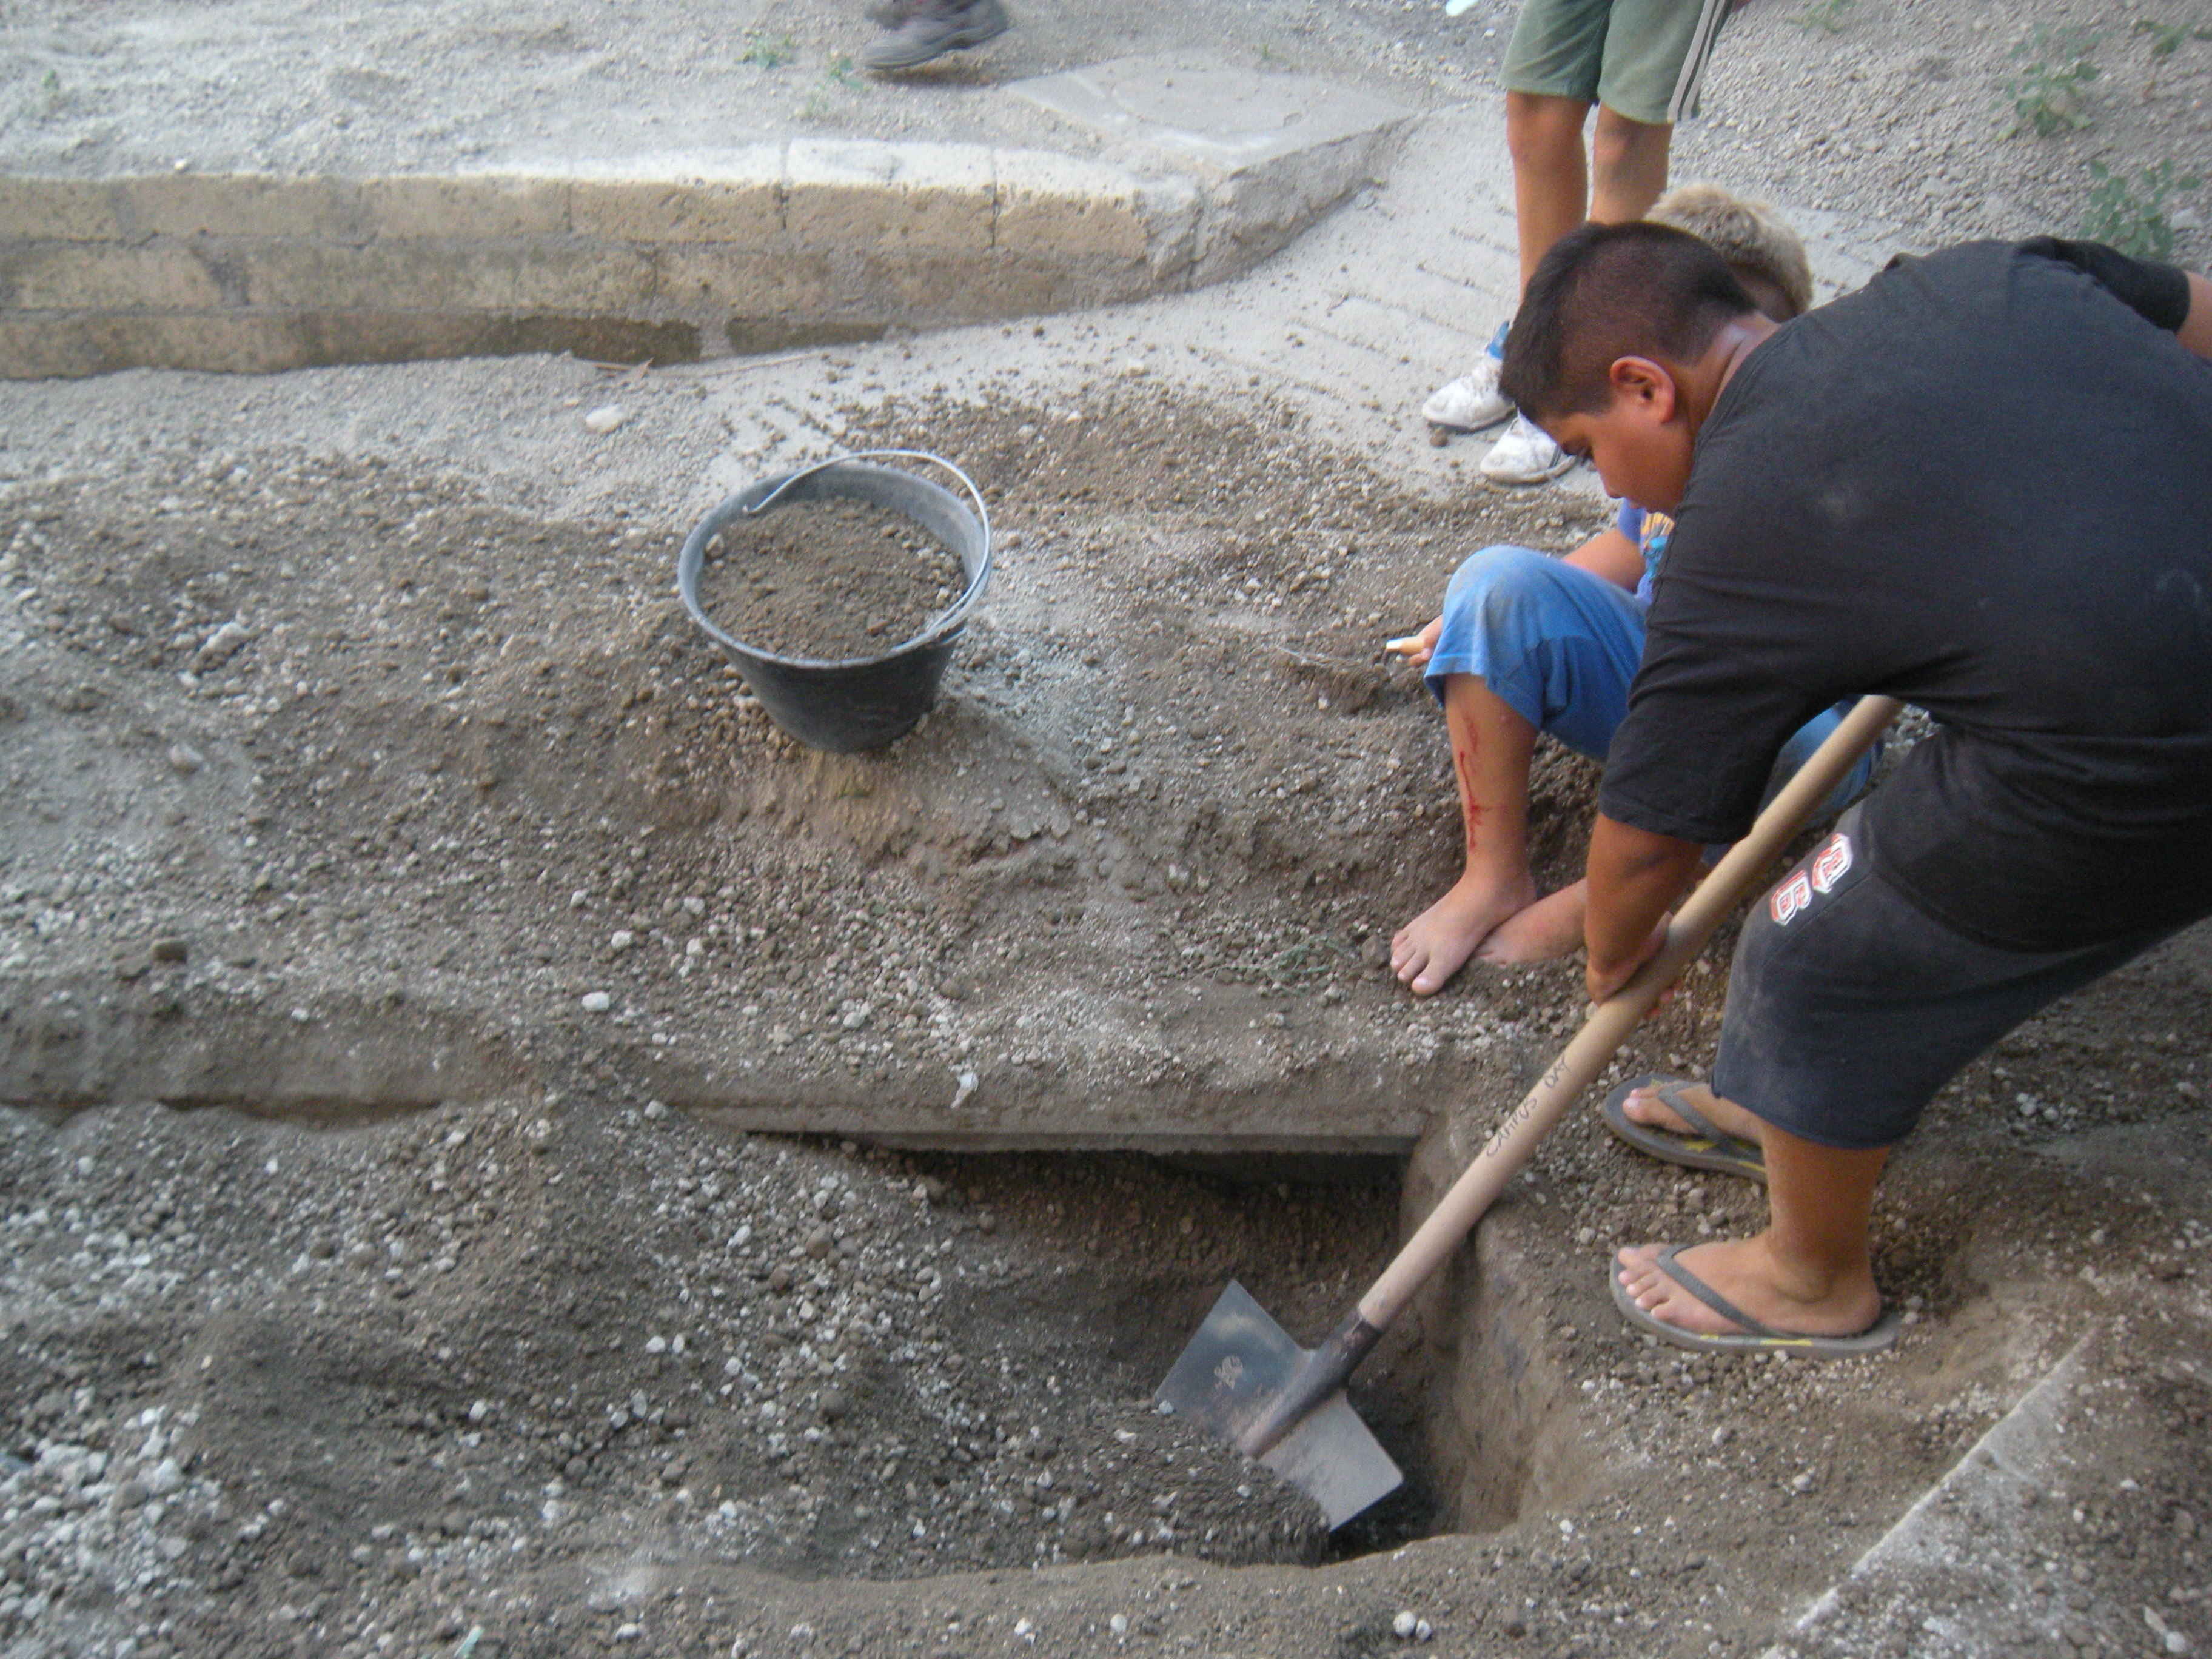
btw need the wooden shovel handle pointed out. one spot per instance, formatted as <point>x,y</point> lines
<point>1515,1140</point>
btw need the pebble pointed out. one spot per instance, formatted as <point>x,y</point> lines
<point>221,646</point>
<point>185,759</point>
<point>596,1002</point>
<point>605,418</point>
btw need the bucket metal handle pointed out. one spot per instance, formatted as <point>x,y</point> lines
<point>982,513</point>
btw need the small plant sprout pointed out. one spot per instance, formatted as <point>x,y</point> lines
<point>1825,16</point>
<point>2056,65</point>
<point>2130,213</point>
<point>2166,39</point>
<point>763,53</point>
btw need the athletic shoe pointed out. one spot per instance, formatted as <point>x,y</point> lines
<point>1524,454</point>
<point>932,28</point>
<point>1471,402</point>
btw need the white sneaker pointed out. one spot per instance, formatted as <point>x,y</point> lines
<point>1470,403</point>
<point>1524,454</point>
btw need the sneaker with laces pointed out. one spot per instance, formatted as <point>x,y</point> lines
<point>1470,403</point>
<point>932,28</point>
<point>1524,454</point>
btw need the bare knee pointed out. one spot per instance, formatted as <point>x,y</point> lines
<point>1542,132</point>
<point>1628,166</point>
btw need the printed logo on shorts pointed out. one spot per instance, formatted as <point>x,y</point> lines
<point>1793,895</point>
<point>1827,868</point>
<point>1830,863</point>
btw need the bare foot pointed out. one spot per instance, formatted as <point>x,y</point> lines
<point>1644,1106</point>
<point>1748,1272</point>
<point>1435,945</point>
<point>1550,928</point>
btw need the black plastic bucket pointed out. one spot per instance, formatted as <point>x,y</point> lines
<point>863,702</point>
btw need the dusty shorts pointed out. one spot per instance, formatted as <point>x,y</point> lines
<point>1625,54</point>
<point>1848,1007</point>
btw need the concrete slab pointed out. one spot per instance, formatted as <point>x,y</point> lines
<point>1213,115</point>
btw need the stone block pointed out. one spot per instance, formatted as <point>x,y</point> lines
<point>474,207</point>
<point>398,274</point>
<point>1062,207</point>
<point>698,280</point>
<point>744,207</point>
<point>71,277</point>
<point>865,195</point>
<point>188,205</point>
<point>60,209</point>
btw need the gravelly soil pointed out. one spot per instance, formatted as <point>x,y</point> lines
<point>452,814</point>
<point>832,579</point>
<point>413,1376</point>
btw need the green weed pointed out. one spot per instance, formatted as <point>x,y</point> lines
<point>2056,65</point>
<point>841,71</point>
<point>1825,16</point>
<point>2131,214</point>
<point>2166,39</point>
<point>762,53</point>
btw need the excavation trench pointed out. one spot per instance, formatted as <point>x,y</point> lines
<point>528,1330</point>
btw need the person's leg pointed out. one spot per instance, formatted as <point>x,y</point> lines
<point>1529,643</point>
<point>1848,1007</point>
<point>1628,169</point>
<point>1810,1272</point>
<point>1550,174</point>
<point>1490,745</point>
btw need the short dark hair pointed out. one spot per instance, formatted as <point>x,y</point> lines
<point>1605,292</point>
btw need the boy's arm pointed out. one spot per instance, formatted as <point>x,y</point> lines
<point>1611,555</point>
<point>2196,329</point>
<point>1635,876</point>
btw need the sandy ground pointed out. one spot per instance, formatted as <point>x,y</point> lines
<point>350,731</point>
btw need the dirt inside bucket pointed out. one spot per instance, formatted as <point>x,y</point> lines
<point>836,580</point>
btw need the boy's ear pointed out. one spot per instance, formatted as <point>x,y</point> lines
<point>1643,384</point>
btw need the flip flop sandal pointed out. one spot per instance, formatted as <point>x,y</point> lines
<point>1754,1338</point>
<point>1706,1149</point>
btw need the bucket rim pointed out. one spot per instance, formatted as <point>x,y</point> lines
<point>757,497</point>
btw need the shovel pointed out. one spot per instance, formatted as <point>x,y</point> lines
<point>1244,1378</point>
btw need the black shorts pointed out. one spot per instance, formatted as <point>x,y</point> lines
<point>1848,1007</point>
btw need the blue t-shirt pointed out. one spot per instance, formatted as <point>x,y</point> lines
<point>1649,531</point>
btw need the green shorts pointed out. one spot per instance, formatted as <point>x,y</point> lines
<point>1625,54</point>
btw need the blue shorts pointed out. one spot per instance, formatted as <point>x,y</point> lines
<point>1560,647</point>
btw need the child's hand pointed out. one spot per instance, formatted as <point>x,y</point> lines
<point>1417,649</point>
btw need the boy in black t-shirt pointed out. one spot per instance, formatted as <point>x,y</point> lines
<point>1877,498</point>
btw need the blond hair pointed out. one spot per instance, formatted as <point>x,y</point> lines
<point>1757,246</point>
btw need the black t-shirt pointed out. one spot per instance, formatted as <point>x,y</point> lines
<point>1982,484</point>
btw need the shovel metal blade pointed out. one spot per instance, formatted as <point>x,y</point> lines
<point>1240,1359</point>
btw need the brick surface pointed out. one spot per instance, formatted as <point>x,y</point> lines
<point>487,205</point>
<point>105,276</point>
<point>501,276</point>
<point>899,197</point>
<point>189,204</point>
<point>744,209</point>
<point>66,209</point>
